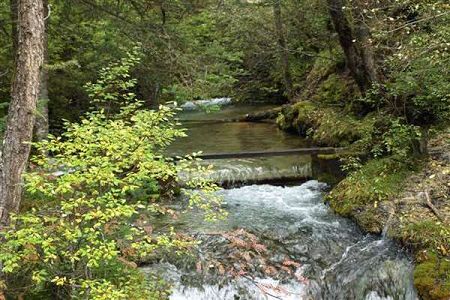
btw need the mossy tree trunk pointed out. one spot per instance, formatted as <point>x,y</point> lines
<point>22,109</point>
<point>355,42</point>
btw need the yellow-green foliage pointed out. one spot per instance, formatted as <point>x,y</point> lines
<point>80,236</point>
<point>323,125</point>
<point>432,277</point>
<point>73,239</point>
<point>79,239</point>
<point>374,182</point>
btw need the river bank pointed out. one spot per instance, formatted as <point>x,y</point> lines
<point>405,198</point>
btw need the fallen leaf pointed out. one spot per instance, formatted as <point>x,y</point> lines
<point>289,263</point>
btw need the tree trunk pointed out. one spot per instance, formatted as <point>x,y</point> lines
<point>358,52</point>
<point>21,114</point>
<point>362,34</point>
<point>41,123</point>
<point>282,49</point>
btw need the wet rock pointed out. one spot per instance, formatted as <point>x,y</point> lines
<point>300,249</point>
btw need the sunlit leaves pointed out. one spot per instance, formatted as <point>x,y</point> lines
<point>88,186</point>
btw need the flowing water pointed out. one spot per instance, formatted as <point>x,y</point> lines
<point>209,133</point>
<point>335,259</point>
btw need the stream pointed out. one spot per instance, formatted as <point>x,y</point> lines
<point>333,258</point>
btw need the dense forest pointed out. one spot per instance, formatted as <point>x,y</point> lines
<point>92,94</point>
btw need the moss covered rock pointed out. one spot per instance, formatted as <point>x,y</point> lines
<point>328,62</point>
<point>323,125</point>
<point>360,194</point>
<point>393,192</point>
<point>336,90</point>
<point>432,277</point>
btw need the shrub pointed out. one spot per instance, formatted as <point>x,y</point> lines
<point>374,182</point>
<point>87,189</point>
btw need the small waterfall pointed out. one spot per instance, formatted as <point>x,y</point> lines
<point>391,212</point>
<point>237,172</point>
<point>337,259</point>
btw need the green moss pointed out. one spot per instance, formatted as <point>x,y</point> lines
<point>427,234</point>
<point>328,156</point>
<point>376,181</point>
<point>324,125</point>
<point>289,113</point>
<point>363,196</point>
<point>328,82</point>
<point>335,89</point>
<point>328,178</point>
<point>327,61</point>
<point>299,117</point>
<point>432,277</point>
<point>336,129</point>
<point>370,219</point>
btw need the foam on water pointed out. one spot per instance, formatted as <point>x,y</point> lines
<point>339,261</point>
<point>244,287</point>
<point>257,289</point>
<point>238,171</point>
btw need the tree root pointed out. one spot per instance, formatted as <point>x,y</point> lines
<point>433,208</point>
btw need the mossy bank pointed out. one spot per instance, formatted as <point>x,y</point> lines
<point>390,188</point>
